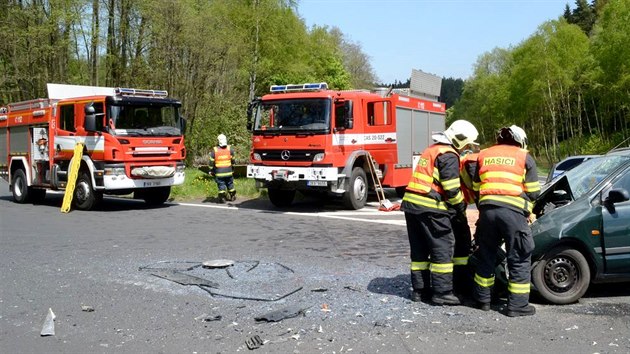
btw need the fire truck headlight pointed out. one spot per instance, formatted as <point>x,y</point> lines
<point>114,171</point>
<point>319,157</point>
<point>180,168</point>
<point>256,157</point>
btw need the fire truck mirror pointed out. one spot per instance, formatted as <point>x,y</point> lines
<point>348,117</point>
<point>90,118</point>
<point>182,124</point>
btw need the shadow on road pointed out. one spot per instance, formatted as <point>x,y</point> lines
<point>397,286</point>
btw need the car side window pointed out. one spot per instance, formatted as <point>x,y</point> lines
<point>569,164</point>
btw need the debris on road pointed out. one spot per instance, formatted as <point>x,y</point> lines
<point>254,342</point>
<point>279,315</point>
<point>87,308</point>
<point>206,318</point>
<point>218,263</point>
<point>48,329</point>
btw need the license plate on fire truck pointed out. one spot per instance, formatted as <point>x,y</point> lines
<point>151,184</point>
<point>281,174</point>
<point>316,183</point>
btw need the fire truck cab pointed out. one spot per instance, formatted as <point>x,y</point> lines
<point>311,139</point>
<point>133,142</point>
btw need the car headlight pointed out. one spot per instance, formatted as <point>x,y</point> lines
<point>319,157</point>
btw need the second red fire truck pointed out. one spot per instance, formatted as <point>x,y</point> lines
<point>311,139</point>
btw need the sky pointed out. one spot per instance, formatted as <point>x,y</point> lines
<point>441,37</point>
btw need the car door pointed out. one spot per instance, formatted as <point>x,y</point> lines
<point>616,227</point>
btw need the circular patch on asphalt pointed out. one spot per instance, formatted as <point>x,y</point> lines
<point>217,263</point>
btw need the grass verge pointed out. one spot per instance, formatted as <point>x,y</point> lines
<point>199,185</point>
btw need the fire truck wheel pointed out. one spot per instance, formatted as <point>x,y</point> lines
<point>356,195</point>
<point>20,187</point>
<point>37,195</point>
<point>281,197</point>
<point>156,196</point>
<point>84,196</point>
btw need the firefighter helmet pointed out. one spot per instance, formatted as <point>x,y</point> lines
<point>222,140</point>
<point>461,133</point>
<point>513,135</point>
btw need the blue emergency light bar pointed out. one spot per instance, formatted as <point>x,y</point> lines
<point>299,87</point>
<point>138,92</point>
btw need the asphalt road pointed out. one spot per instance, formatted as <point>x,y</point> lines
<point>345,273</point>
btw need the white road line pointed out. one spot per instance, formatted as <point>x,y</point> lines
<point>325,214</point>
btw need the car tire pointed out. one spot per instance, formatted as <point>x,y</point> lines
<point>281,198</point>
<point>356,195</point>
<point>562,276</point>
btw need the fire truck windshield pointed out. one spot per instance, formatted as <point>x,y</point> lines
<point>143,120</point>
<point>293,116</point>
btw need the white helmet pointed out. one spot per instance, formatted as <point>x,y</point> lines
<point>513,135</point>
<point>222,140</point>
<point>461,133</point>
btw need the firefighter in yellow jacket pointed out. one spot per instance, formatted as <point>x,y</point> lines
<point>432,198</point>
<point>507,184</point>
<point>221,162</point>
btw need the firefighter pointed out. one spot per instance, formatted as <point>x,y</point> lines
<point>462,275</point>
<point>507,184</point>
<point>221,162</point>
<point>431,197</point>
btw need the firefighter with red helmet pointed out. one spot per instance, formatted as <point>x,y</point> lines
<point>221,162</point>
<point>507,184</point>
<point>432,198</point>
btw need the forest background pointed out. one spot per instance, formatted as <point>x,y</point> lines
<point>567,85</point>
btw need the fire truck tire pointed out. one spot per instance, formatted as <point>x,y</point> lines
<point>19,187</point>
<point>84,196</point>
<point>156,196</point>
<point>281,197</point>
<point>356,195</point>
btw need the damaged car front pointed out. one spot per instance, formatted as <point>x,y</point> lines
<point>576,214</point>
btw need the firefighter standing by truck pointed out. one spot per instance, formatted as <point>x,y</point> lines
<point>507,184</point>
<point>221,162</point>
<point>431,199</point>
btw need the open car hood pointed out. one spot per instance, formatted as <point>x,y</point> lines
<point>553,194</point>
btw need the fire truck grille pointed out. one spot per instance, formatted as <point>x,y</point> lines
<point>288,155</point>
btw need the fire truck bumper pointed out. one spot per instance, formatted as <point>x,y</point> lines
<point>124,182</point>
<point>312,176</point>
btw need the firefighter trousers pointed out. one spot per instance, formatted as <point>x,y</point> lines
<point>462,274</point>
<point>497,224</point>
<point>431,243</point>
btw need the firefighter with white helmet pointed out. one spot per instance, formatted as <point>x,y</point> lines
<point>221,162</point>
<point>506,183</point>
<point>432,197</point>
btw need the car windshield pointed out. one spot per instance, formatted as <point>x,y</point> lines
<point>293,116</point>
<point>588,174</point>
<point>143,120</point>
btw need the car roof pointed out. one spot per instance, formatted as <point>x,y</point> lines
<point>624,151</point>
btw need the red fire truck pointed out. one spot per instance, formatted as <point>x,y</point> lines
<point>311,139</point>
<point>133,142</point>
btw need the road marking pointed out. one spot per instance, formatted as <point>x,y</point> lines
<point>341,215</point>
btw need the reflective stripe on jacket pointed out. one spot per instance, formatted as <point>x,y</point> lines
<point>222,158</point>
<point>427,188</point>
<point>502,177</point>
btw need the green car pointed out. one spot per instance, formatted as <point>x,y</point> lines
<point>582,231</point>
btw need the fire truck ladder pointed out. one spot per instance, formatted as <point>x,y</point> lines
<point>72,177</point>
<point>384,203</point>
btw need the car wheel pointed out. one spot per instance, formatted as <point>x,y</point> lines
<point>281,198</point>
<point>563,276</point>
<point>19,187</point>
<point>355,196</point>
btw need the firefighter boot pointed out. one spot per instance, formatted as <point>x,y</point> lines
<point>445,299</point>
<point>421,284</point>
<point>528,310</point>
<point>222,197</point>
<point>232,195</point>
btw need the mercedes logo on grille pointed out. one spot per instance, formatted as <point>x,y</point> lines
<point>285,155</point>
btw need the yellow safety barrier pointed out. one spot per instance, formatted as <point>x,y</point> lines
<point>72,177</point>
